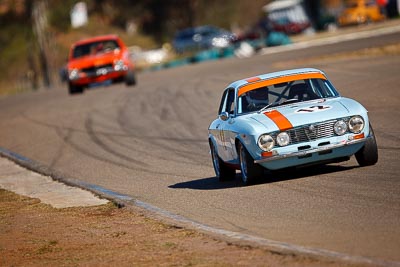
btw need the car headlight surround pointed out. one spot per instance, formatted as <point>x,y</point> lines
<point>340,127</point>
<point>266,142</point>
<point>74,74</point>
<point>356,124</point>
<point>283,139</point>
<point>119,65</point>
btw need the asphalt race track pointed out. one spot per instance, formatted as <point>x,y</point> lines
<point>150,142</point>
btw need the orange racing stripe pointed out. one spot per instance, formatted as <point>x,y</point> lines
<point>281,121</point>
<point>258,84</point>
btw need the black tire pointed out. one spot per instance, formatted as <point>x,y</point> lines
<point>130,78</point>
<point>250,171</point>
<point>74,89</point>
<point>222,171</point>
<point>368,154</point>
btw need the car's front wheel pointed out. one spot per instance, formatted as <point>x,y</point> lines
<point>222,171</point>
<point>74,89</point>
<point>250,170</point>
<point>368,154</point>
<point>130,78</point>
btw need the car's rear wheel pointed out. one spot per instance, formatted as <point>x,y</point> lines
<point>222,171</point>
<point>75,89</point>
<point>250,171</point>
<point>368,154</point>
<point>130,78</point>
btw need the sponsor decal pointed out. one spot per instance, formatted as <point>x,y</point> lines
<point>315,108</point>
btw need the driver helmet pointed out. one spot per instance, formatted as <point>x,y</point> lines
<point>99,47</point>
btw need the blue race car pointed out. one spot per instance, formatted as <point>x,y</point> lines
<point>202,37</point>
<point>287,119</point>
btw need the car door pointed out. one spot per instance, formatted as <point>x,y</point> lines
<point>226,114</point>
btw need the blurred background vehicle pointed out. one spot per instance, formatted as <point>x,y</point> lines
<point>288,16</point>
<point>360,12</point>
<point>202,37</point>
<point>99,59</point>
<point>145,58</point>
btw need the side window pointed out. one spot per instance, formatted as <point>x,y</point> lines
<point>222,105</point>
<point>227,102</point>
<point>230,107</point>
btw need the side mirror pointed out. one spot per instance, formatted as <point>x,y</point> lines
<point>224,116</point>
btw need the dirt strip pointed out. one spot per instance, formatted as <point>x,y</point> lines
<point>46,223</point>
<point>36,234</point>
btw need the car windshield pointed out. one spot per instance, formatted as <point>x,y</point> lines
<point>284,93</point>
<point>185,34</point>
<point>94,48</point>
<point>204,31</point>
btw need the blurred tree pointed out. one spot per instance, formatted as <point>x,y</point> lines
<point>18,60</point>
<point>40,27</point>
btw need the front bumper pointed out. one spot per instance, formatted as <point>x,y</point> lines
<point>88,79</point>
<point>304,153</point>
<point>98,74</point>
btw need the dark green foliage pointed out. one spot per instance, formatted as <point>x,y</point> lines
<point>59,14</point>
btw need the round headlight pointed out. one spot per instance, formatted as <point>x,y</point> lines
<point>119,65</point>
<point>283,139</point>
<point>74,74</point>
<point>340,127</point>
<point>266,142</point>
<point>356,124</point>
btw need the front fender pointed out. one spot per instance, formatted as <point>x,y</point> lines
<point>250,143</point>
<point>212,141</point>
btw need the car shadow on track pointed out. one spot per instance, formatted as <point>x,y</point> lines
<point>212,183</point>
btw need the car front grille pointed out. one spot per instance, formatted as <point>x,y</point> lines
<point>96,70</point>
<point>310,132</point>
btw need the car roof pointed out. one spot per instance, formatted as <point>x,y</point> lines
<point>96,39</point>
<point>260,80</point>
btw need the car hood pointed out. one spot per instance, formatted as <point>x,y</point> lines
<point>94,60</point>
<point>307,112</point>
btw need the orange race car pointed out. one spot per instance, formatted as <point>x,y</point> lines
<point>99,59</point>
<point>359,12</point>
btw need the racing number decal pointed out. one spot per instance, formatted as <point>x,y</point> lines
<point>313,109</point>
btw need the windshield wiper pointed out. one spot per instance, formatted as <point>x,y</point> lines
<point>270,105</point>
<point>274,104</point>
<point>288,101</point>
